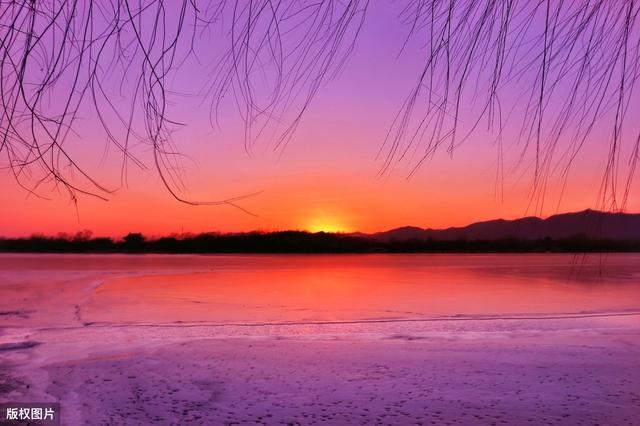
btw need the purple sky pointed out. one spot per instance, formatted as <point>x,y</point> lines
<point>327,175</point>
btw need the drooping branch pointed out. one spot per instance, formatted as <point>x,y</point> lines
<point>115,59</point>
<point>562,71</point>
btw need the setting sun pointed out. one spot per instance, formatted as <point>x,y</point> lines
<point>326,223</point>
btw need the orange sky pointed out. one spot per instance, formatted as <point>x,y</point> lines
<point>311,186</point>
<point>325,179</point>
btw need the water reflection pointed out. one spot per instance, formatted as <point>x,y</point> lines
<point>244,289</point>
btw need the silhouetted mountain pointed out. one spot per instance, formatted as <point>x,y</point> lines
<point>588,223</point>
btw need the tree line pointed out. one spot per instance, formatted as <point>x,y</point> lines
<point>302,242</point>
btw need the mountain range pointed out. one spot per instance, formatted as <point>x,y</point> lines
<point>587,223</point>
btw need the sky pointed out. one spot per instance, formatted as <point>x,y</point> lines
<point>326,178</point>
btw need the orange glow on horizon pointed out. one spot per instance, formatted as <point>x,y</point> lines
<point>326,223</point>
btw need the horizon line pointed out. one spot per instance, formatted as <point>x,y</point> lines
<point>90,234</point>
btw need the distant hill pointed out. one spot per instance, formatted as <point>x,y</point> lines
<point>587,223</point>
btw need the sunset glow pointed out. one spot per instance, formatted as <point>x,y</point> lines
<point>326,224</point>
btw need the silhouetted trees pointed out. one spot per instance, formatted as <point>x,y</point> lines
<point>304,242</point>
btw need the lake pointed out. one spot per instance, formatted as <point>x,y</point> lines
<point>312,288</point>
<point>516,338</point>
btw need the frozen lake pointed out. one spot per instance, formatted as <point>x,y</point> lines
<point>343,339</point>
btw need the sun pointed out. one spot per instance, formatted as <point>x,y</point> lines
<point>326,224</point>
